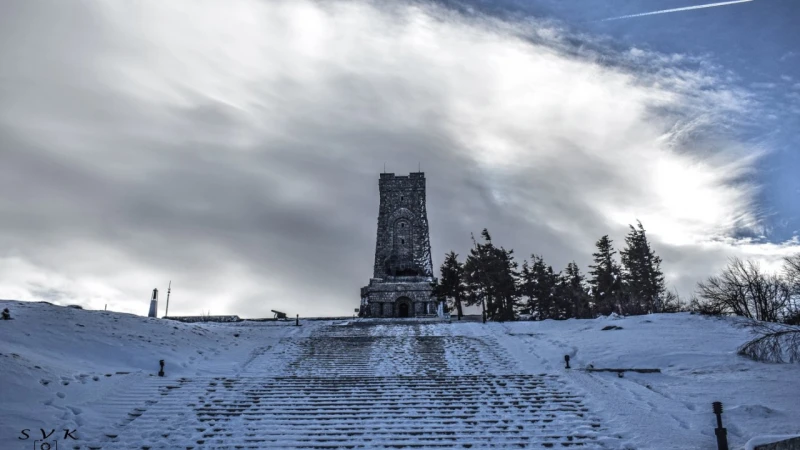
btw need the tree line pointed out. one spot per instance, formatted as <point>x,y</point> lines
<point>492,279</point>
<point>744,289</point>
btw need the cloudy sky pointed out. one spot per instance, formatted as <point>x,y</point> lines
<point>234,147</point>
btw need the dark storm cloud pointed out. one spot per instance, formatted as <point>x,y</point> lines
<point>236,150</point>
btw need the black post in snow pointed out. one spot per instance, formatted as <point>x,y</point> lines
<point>722,433</point>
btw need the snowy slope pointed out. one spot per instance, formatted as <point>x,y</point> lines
<point>54,360</point>
<point>697,357</point>
<point>66,368</point>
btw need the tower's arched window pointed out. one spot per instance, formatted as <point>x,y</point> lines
<point>401,198</point>
<point>402,225</point>
<point>402,241</point>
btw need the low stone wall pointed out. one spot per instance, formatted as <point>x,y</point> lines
<point>193,319</point>
<point>788,444</point>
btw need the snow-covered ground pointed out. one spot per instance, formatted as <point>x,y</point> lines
<point>699,365</point>
<point>67,368</point>
<point>56,360</point>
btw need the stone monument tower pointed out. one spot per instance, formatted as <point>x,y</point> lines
<point>403,271</point>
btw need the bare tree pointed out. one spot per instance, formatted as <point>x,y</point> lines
<point>791,273</point>
<point>791,270</point>
<point>672,303</point>
<point>743,289</point>
<point>777,343</point>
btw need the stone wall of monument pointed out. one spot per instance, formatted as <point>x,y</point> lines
<point>392,296</point>
<point>402,203</point>
<point>403,267</point>
<point>390,309</point>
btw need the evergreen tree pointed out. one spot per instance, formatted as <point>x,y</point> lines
<point>490,276</point>
<point>641,274</point>
<point>572,296</point>
<point>451,287</point>
<point>476,275</point>
<point>538,284</point>
<point>606,280</point>
<point>527,284</point>
<point>506,290</point>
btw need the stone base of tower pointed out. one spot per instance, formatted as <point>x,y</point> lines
<point>398,297</point>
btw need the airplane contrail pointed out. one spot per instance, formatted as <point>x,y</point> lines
<point>687,8</point>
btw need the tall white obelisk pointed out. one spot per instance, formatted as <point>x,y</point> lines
<point>153,304</point>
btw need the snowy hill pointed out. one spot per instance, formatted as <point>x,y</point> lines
<point>413,384</point>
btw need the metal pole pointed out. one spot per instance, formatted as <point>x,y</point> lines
<point>166,313</point>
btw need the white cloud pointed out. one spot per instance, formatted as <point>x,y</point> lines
<point>763,85</point>
<point>570,144</point>
<point>787,56</point>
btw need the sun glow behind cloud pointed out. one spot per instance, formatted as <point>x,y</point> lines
<point>291,101</point>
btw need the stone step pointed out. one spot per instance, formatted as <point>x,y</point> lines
<point>395,441</point>
<point>246,395</point>
<point>297,410</point>
<point>300,404</point>
<point>194,445</point>
<point>382,408</point>
<point>417,428</point>
<point>332,402</point>
<point>364,393</point>
<point>339,417</point>
<point>459,436</point>
<point>330,392</point>
<point>498,378</point>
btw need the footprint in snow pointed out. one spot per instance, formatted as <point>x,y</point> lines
<point>680,421</point>
<point>61,394</point>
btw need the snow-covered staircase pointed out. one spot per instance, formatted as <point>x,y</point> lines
<point>362,387</point>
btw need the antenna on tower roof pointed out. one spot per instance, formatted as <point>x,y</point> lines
<point>419,167</point>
